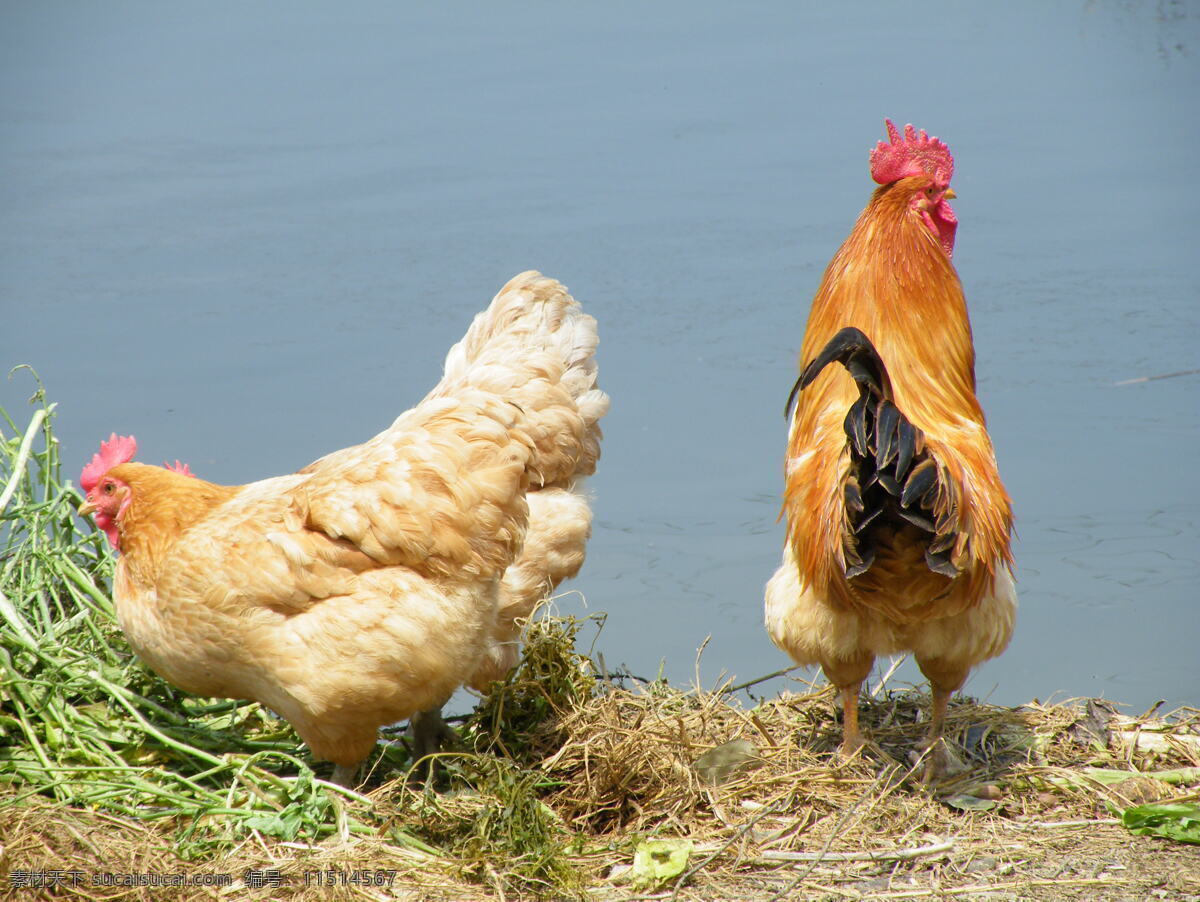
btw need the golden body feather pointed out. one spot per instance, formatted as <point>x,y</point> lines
<point>371,584</point>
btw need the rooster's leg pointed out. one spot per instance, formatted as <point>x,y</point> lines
<point>848,676</point>
<point>852,737</point>
<point>945,679</point>
<point>936,762</point>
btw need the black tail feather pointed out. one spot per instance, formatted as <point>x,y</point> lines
<point>887,421</point>
<point>906,446</point>
<point>856,425</point>
<point>854,350</point>
<point>893,479</point>
<point>922,478</point>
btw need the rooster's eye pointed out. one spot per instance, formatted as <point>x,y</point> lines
<point>108,488</point>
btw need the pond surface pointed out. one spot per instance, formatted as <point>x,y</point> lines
<point>249,234</point>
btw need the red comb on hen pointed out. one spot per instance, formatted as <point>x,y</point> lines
<point>914,154</point>
<point>118,449</point>
<point>179,468</point>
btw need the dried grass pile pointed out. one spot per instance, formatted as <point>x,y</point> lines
<point>761,796</point>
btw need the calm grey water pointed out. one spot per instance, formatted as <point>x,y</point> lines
<point>248,234</point>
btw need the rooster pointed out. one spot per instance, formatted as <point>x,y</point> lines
<point>898,526</point>
<point>367,587</point>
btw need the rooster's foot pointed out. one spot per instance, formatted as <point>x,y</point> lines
<point>850,747</point>
<point>940,761</point>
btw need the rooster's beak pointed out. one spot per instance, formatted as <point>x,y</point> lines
<point>949,195</point>
<point>86,508</point>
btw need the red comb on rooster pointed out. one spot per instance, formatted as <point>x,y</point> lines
<point>914,154</point>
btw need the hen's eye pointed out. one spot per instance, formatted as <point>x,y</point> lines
<point>108,488</point>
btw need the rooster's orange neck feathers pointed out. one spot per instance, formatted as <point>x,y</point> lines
<point>893,279</point>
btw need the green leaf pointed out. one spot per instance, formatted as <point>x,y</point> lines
<point>718,764</point>
<point>271,825</point>
<point>1182,776</point>
<point>1109,777</point>
<point>658,860</point>
<point>964,802</point>
<point>1178,821</point>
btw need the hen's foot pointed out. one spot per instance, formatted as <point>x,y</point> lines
<point>429,735</point>
<point>345,775</point>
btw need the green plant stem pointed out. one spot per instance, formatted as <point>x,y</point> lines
<point>18,469</point>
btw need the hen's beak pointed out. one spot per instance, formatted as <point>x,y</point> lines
<point>949,195</point>
<point>87,508</point>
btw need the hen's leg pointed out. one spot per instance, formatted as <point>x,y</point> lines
<point>346,775</point>
<point>945,678</point>
<point>848,676</point>
<point>430,734</point>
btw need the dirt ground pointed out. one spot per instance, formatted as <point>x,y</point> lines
<point>1024,815</point>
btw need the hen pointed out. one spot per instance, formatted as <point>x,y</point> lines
<point>367,587</point>
<point>898,525</point>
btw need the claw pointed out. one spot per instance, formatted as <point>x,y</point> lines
<point>936,762</point>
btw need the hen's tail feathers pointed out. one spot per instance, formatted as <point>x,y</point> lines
<point>560,523</point>
<point>535,347</point>
<point>892,475</point>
